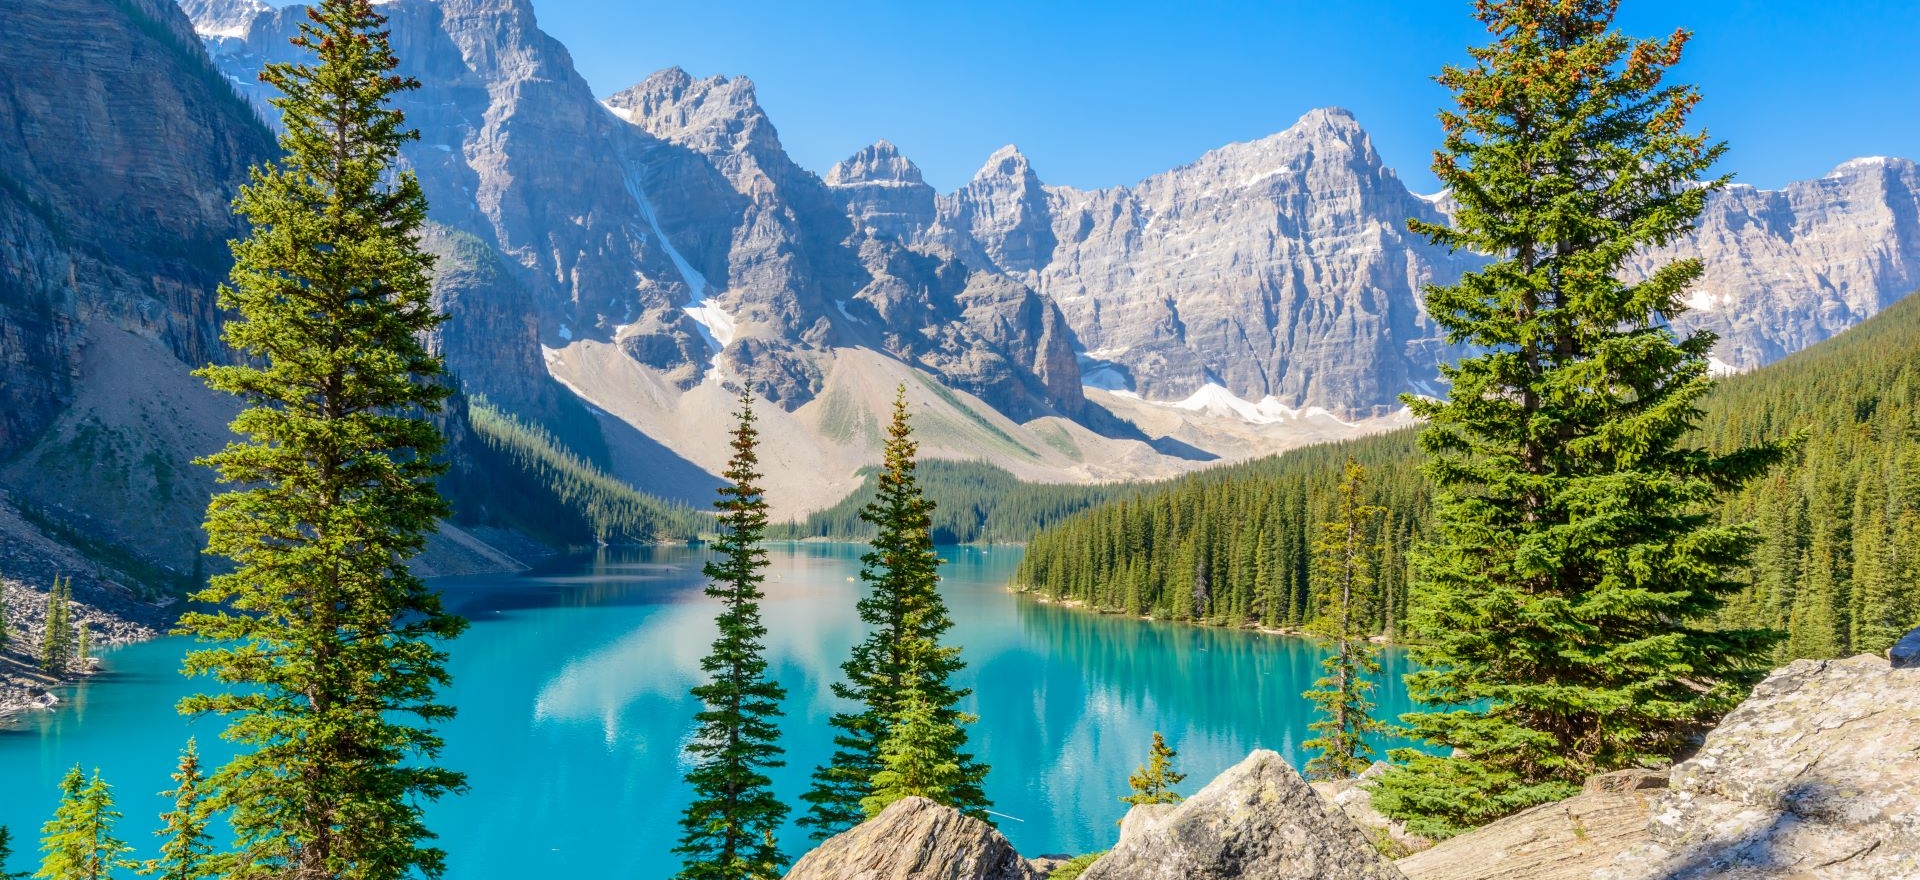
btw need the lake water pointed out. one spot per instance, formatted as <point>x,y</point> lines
<point>572,688</point>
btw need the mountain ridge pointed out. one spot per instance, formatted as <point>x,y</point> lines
<point>1260,296</point>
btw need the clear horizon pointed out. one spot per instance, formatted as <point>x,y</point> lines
<point>1108,96</point>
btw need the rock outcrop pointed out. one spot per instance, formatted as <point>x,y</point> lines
<point>883,192</point>
<point>1815,776</point>
<point>1259,819</point>
<point>1354,797</point>
<point>1565,840</point>
<point>915,839</point>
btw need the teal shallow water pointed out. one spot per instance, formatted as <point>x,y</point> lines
<point>572,688</point>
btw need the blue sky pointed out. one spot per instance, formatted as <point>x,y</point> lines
<point>1108,93</point>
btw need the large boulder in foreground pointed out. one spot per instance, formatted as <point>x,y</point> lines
<point>1257,821</point>
<point>1564,840</point>
<point>915,839</point>
<point>1815,777</point>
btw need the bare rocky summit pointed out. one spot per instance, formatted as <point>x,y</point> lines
<point>1787,268</point>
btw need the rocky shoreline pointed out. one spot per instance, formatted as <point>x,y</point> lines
<point>113,617</point>
<point>1081,605</point>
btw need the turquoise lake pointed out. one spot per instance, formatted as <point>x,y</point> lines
<point>572,688</point>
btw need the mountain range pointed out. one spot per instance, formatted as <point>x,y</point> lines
<point>616,269</point>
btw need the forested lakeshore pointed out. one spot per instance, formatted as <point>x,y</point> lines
<point>1838,569</point>
<point>520,475</point>
<point>979,503</point>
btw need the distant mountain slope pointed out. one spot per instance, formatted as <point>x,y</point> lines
<point>1262,296</point>
<point>122,150</point>
<point>1837,572</point>
<point>1790,267</point>
<point>1280,267</point>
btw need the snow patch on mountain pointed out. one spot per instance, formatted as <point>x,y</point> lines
<point>1215,400</point>
<point>223,18</point>
<point>715,325</point>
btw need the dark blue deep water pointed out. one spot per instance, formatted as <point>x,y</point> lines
<point>572,688</point>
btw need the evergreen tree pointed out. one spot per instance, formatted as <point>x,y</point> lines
<point>187,850</point>
<point>6,629</point>
<point>57,647</point>
<point>1153,782</point>
<point>78,844</point>
<point>1567,594</point>
<point>6,855</point>
<point>902,654</point>
<point>918,758</point>
<point>728,829</point>
<point>327,648</point>
<point>83,647</point>
<point>1345,556</point>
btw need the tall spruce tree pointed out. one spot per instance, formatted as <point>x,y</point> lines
<point>328,647</point>
<point>57,644</point>
<point>901,655</point>
<point>1153,782</point>
<point>1566,590</point>
<point>78,843</point>
<point>728,830</point>
<point>6,855</point>
<point>6,628</point>
<point>1345,553</point>
<point>186,850</point>
<point>918,758</point>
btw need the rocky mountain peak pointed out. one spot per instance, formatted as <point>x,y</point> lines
<point>223,18</point>
<point>1007,163</point>
<point>1001,220</point>
<point>1327,139</point>
<point>879,163</point>
<point>883,192</point>
<point>714,113</point>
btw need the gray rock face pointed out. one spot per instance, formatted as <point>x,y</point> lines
<point>915,839</point>
<point>1259,819</point>
<point>121,150</point>
<point>1002,219</point>
<point>515,152</point>
<point>1814,776</point>
<point>1787,268</point>
<point>1280,267</point>
<point>883,192</point>
<point>670,220</point>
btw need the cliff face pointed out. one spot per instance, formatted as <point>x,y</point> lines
<point>1279,268</point>
<point>668,220</point>
<point>1787,268</point>
<point>121,151</point>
